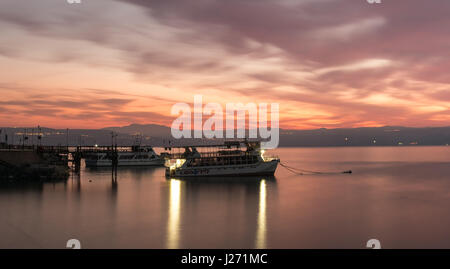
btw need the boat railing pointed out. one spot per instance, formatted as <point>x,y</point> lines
<point>210,155</point>
<point>36,148</point>
<point>106,149</point>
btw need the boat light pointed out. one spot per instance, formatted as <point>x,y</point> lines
<point>178,163</point>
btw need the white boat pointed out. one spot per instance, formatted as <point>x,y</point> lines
<point>228,159</point>
<point>138,156</point>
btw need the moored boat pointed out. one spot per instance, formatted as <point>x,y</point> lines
<point>138,156</point>
<point>233,158</point>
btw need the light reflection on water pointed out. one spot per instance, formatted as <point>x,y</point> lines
<point>174,214</point>
<point>398,195</point>
<point>219,210</point>
<point>261,228</point>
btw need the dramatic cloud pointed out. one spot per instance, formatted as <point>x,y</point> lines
<point>329,63</point>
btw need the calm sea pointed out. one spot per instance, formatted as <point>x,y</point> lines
<point>398,195</point>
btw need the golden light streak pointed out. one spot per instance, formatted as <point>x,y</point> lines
<point>173,222</point>
<point>261,226</point>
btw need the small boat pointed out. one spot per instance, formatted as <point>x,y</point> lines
<point>138,156</point>
<point>232,158</point>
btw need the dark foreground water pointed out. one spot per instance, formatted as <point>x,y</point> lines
<point>398,195</point>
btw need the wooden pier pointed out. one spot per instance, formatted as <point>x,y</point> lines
<point>33,162</point>
<point>14,158</point>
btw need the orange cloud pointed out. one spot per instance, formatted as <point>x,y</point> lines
<point>327,63</point>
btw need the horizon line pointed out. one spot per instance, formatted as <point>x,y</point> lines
<point>160,125</point>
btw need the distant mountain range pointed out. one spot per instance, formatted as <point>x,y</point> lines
<point>153,130</point>
<point>367,136</point>
<point>152,134</point>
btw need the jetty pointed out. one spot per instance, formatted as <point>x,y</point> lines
<point>33,162</point>
<point>51,162</point>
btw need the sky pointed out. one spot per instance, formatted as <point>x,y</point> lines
<point>327,63</point>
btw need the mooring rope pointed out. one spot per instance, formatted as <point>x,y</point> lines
<point>299,171</point>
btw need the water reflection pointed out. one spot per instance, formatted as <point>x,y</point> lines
<point>173,221</point>
<point>261,228</point>
<point>76,182</point>
<point>388,199</point>
<point>217,211</point>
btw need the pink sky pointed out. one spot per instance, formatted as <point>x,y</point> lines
<point>328,63</point>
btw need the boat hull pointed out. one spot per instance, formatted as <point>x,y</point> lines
<point>258,169</point>
<point>108,163</point>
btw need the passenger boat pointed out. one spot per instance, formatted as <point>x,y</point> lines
<point>232,158</point>
<point>138,156</point>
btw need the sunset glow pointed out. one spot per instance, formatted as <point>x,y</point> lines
<point>328,63</point>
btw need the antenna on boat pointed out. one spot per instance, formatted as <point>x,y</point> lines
<point>137,139</point>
